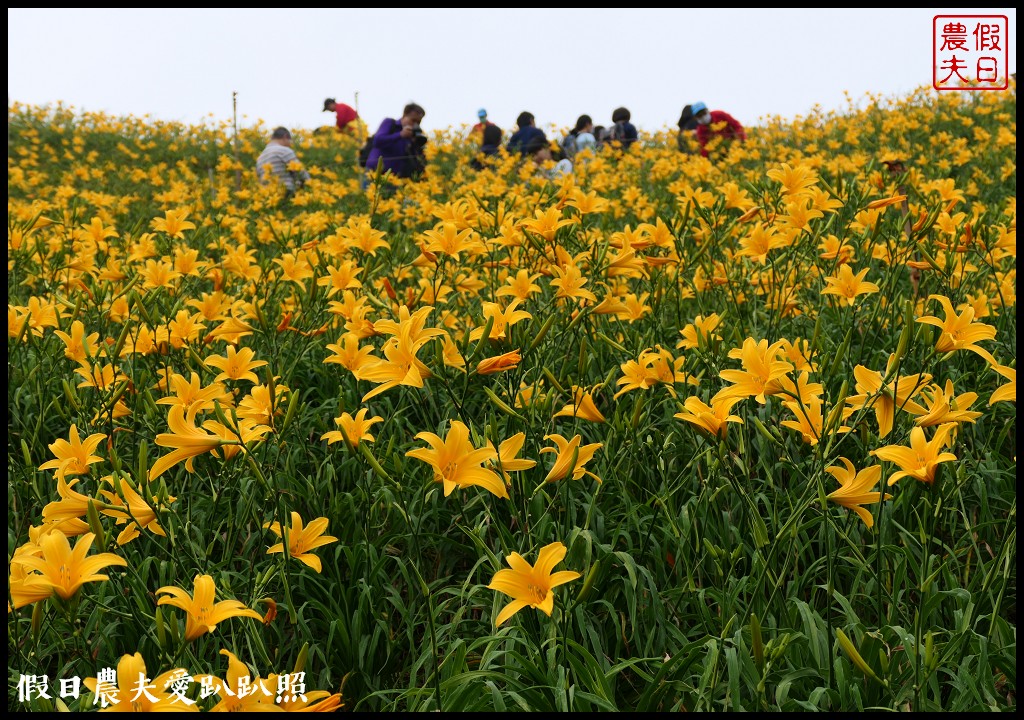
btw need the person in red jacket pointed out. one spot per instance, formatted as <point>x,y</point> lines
<point>715,124</point>
<point>347,117</point>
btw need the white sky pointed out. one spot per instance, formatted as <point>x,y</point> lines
<point>184,64</point>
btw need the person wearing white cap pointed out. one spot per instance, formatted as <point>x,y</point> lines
<point>715,124</point>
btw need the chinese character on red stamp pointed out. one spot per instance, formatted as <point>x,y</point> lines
<point>970,52</point>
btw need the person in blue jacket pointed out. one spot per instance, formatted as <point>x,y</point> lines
<point>527,132</point>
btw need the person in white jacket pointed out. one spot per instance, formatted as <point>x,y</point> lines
<point>540,151</point>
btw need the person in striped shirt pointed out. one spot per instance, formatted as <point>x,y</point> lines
<point>281,161</point>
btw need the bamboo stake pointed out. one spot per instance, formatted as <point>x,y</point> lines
<point>238,161</point>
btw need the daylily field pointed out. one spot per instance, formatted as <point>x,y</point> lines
<point>671,433</point>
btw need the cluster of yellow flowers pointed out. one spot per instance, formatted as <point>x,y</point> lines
<point>530,295</point>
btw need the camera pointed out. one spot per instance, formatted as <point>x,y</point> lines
<point>419,138</point>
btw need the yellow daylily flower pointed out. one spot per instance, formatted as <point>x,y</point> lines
<point>520,285</point>
<point>502,319</point>
<point>240,691</point>
<point>847,286</point>
<point>78,346</point>
<point>582,407</point>
<point>26,587</point>
<point>301,540</point>
<point>499,363</point>
<point>132,509</point>
<point>506,455</point>
<point>700,332</point>
<point>855,488</point>
<point>456,463</point>
<point>897,394</point>
<point>922,458</point>
<point>74,455</point>
<point>237,364</point>
<point>350,356</point>
<point>712,419</point>
<point>959,332</point>
<point>566,450</point>
<point>1008,391</point>
<point>65,570</point>
<point>202,613</point>
<point>188,440</point>
<point>943,405</point>
<point>173,223</point>
<point>761,368</point>
<point>531,585</point>
<point>353,429</point>
<point>72,505</point>
<point>191,393</point>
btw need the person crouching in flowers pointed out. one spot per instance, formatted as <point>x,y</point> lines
<point>715,125</point>
<point>281,161</point>
<point>539,150</point>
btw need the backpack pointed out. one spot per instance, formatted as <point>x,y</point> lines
<point>623,136</point>
<point>569,146</point>
<point>364,152</point>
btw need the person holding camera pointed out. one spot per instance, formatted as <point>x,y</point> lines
<point>398,145</point>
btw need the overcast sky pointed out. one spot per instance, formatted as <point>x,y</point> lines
<point>184,64</point>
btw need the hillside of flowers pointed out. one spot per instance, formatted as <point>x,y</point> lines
<point>668,433</point>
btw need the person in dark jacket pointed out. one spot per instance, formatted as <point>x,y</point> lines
<point>527,132</point>
<point>623,131</point>
<point>687,123</point>
<point>490,146</point>
<point>688,119</point>
<point>398,144</point>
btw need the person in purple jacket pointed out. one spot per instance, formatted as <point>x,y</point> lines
<point>398,144</point>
